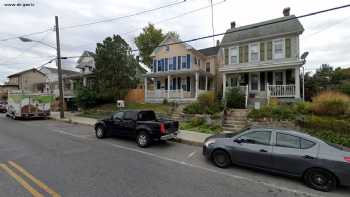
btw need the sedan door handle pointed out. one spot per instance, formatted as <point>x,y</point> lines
<point>308,157</point>
<point>263,150</point>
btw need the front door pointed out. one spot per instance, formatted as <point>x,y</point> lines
<point>254,149</point>
<point>254,81</point>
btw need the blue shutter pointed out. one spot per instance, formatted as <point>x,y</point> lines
<point>188,61</point>
<point>159,66</point>
<point>174,63</point>
<point>178,62</point>
<point>166,64</point>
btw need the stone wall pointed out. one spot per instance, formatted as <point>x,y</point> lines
<point>209,119</point>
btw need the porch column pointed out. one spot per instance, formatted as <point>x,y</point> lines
<point>168,92</point>
<point>197,84</point>
<point>84,82</point>
<point>145,87</point>
<point>297,82</point>
<point>206,82</point>
<point>224,85</point>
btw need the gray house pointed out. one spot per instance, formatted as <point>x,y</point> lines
<point>263,59</point>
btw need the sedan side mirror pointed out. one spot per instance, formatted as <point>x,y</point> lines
<point>238,140</point>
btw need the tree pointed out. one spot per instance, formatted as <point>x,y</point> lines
<point>173,34</point>
<point>115,68</point>
<point>147,41</point>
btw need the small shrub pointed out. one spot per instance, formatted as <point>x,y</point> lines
<point>165,101</point>
<point>197,121</point>
<point>336,125</point>
<point>215,108</point>
<point>234,98</point>
<point>345,88</point>
<point>193,108</point>
<point>86,98</point>
<point>206,99</point>
<point>331,103</point>
<point>302,107</point>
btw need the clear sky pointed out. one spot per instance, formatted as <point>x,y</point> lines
<point>326,36</point>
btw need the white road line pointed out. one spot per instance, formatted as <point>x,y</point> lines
<point>191,154</point>
<point>271,185</point>
<point>67,133</point>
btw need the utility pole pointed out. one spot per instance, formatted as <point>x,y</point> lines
<point>212,20</point>
<point>58,62</point>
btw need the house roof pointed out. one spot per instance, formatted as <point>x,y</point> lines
<point>25,71</point>
<point>64,71</point>
<point>209,51</point>
<point>85,53</point>
<point>174,40</point>
<point>279,26</point>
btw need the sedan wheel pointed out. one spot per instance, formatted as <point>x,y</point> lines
<point>221,159</point>
<point>100,132</point>
<point>321,180</point>
<point>143,139</point>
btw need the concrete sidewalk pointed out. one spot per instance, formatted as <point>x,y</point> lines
<point>187,137</point>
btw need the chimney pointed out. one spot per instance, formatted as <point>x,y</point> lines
<point>286,11</point>
<point>217,43</point>
<point>233,24</point>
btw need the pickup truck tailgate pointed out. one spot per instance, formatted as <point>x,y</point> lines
<point>171,126</point>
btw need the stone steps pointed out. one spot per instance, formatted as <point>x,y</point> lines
<point>235,120</point>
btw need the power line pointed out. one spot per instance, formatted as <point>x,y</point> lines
<point>122,17</point>
<point>165,20</point>
<point>328,27</point>
<point>243,29</point>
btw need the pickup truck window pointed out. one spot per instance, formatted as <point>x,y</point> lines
<point>118,115</point>
<point>130,115</point>
<point>146,116</point>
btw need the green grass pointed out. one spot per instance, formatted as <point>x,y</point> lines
<point>203,128</point>
<point>105,110</point>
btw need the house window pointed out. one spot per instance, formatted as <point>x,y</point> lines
<point>166,64</point>
<point>278,50</point>
<point>188,84</point>
<point>167,48</point>
<point>178,62</point>
<point>179,83</point>
<point>254,52</point>
<point>262,51</point>
<point>183,62</point>
<point>207,67</point>
<point>170,63</point>
<point>174,84</point>
<point>234,55</point>
<point>188,61</point>
<point>195,60</point>
<point>174,63</point>
<point>159,66</point>
<point>158,85</point>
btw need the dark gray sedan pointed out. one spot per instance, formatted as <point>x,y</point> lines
<point>322,166</point>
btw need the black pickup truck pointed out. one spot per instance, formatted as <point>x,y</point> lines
<point>141,125</point>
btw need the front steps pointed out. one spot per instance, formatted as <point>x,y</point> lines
<point>235,120</point>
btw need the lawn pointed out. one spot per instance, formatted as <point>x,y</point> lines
<point>105,110</point>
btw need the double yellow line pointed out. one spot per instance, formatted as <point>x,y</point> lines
<point>24,183</point>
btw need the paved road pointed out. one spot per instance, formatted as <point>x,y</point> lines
<point>51,158</point>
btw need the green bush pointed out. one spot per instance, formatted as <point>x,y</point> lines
<point>345,88</point>
<point>196,121</point>
<point>165,101</point>
<point>193,108</point>
<point>302,107</point>
<point>330,136</point>
<point>86,97</point>
<point>337,125</point>
<point>276,112</point>
<point>234,98</point>
<point>215,108</point>
<point>206,99</point>
<point>331,103</point>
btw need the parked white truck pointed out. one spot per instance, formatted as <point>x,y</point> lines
<point>28,105</point>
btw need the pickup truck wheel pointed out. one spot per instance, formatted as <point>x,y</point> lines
<point>100,132</point>
<point>143,139</point>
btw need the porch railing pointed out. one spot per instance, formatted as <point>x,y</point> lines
<point>280,90</point>
<point>159,94</point>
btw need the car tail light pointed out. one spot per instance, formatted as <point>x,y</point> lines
<point>162,128</point>
<point>347,159</point>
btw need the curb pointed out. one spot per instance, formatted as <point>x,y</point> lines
<point>177,140</point>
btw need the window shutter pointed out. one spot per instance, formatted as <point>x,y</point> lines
<point>288,48</point>
<point>188,61</point>
<point>174,63</point>
<point>178,62</point>
<point>159,66</point>
<point>262,51</point>
<point>246,55</point>
<point>269,50</point>
<point>226,55</point>
<point>166,64</point>
<point>154,65</point>
<point>240,54</point>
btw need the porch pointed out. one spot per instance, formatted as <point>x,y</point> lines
<point>264,84</point>
<point>180,87</point>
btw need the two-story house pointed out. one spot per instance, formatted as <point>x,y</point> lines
<point>180,72</point>
<point>263,58</point>
<point>28,80</point>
